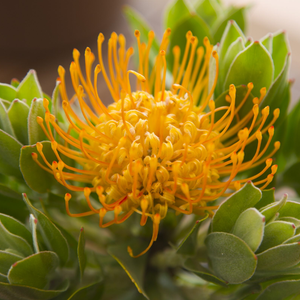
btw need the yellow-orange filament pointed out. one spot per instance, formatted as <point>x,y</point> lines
<point>156,221</point>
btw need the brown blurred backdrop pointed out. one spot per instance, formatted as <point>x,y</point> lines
<point>41,35</point>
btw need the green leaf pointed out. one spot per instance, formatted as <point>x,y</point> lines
<point>231,34</point>
<point>35,132</point>
<point>280,135</point>
<point>293,220</point>
<point>255,65</point>
<point>40,266</point>
<point>9,240</point>
<point>137,22</point>
<point>7,92</point>
<point>5,103</point>
<point>35,177</point>
<point>236,14</point>
<point>267,41</point>
<point>55,99</point>
<point>3,278</point>
<point>280,290</point>
<point>189,243</point>
<point>245,292</point>
<point>267,198</point>
<point>29,88</point>
<point>249,41</point>
<point>6,260</point>
<point>280,52</point>
<point>291,176</point>
<point>229,211</point>
<point>278,258</point>
<point>231,258</point>
<point>178,35</point>
<point>16,227</point>
<point>33,225</point>
<point>52,236</point>
<point>18,113</point>
<point>250,227</point>
<point>91,291</point>
<point>11,203</point>
<point>176,11</point>
<point>5,124</point>
<point>73,258</point>
<point>209,11</point>
<point>194,266</point>
<point>292,139</point>
<point>290,209</point>
<point>275,95</point>
<point>234,49</point>
<point>9,155</point>
<point>276,233</point>
<point>13,292</point>
<point>134,267</point>
<point>294,239</point>
<point>270,210</point>
<point>81,253</point>
<point>15,83</point>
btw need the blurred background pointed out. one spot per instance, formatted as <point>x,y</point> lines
<point>41,35</point>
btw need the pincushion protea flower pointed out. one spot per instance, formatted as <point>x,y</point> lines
<point>154,149</point>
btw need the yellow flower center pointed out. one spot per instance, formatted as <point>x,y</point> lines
<point>154,149</point>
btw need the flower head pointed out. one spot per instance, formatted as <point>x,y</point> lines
<point>154,148</point>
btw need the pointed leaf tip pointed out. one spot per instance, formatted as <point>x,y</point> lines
<point>51,235</point>
<point>29,88</point>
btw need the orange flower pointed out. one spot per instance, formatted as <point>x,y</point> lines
<point>154,148</point>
